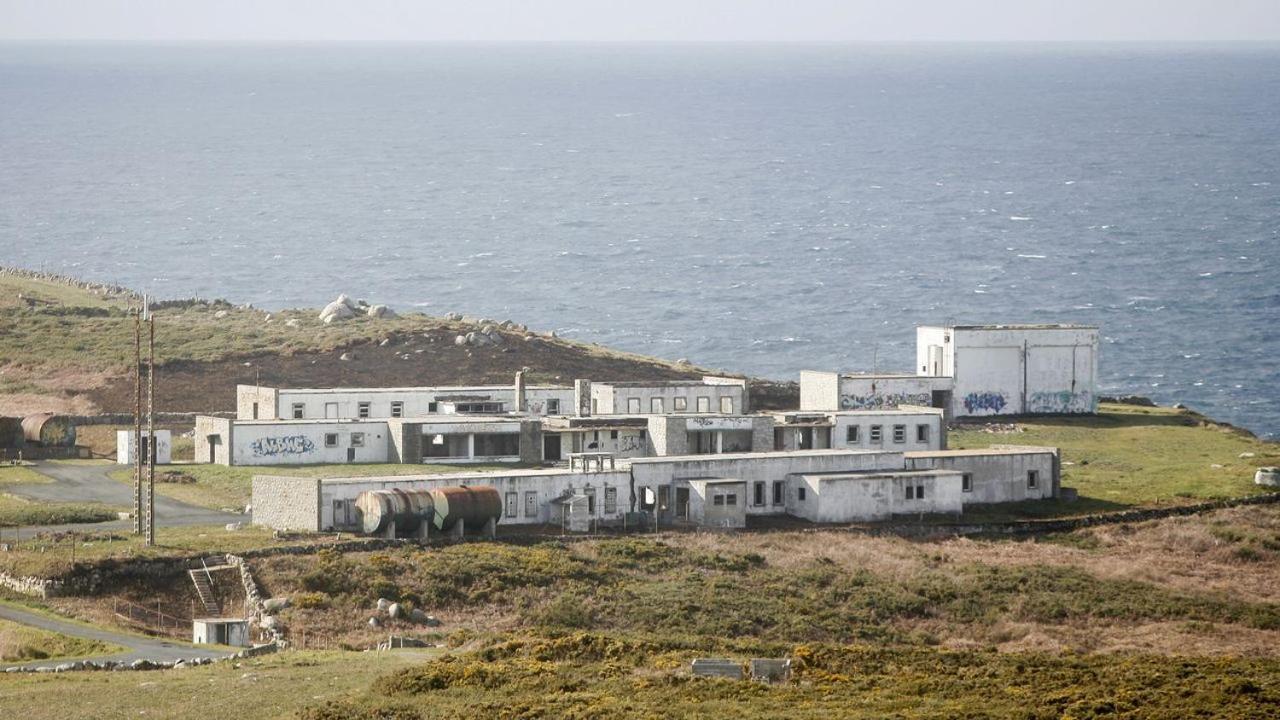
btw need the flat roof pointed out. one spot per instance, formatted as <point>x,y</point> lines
<point>415,389</point>
<point>886,376</point>
<point>876,474</point>
<point>424,419</point>
<point>975,452</point>
<point>668,383</point>
<point>758,455</point>
<point>1017,326</point>
<point>461,476</point>
<point>715,481</point>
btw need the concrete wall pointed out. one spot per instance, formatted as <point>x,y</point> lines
<point>222,429</point>
<point>871,392</point>
<point>998,476</point>
<point>704,511</point>
<point>407,442</point>
<point>127,445</point>
<point>286,503</point>
<point>629,443</point>
<point>887,420</point>
<point>872,496</point>
<point>304,443</point>
<point>613,399</point>
<point>670,435</point>
<point>1036,370</point>
<point>344,403</point>
<point>267,400</point>
<point>819,390</point>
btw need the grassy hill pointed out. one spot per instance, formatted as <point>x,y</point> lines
<point>67,346</point>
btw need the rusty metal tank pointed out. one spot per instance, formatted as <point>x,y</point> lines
<point>12,436</point>
<point>472,505</point>
<point>408,509</point>
<point>49,430</point>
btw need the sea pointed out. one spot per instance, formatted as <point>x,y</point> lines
<point>758,208</point>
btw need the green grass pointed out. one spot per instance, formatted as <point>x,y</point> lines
<point>19,475</point>
<point>19,643</point>
<point>18,512</point>
<point>1127,456</point>
<point>221,486</point>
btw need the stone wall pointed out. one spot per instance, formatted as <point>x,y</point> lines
<point>286,503</point>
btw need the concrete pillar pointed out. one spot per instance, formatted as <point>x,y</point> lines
<point>390,532</point>
<point>458,530</point>
<point>519,392</point>
<point>471,446</point>
<point>491,528</point>
<point>424,529</point>
<point>582,397</point>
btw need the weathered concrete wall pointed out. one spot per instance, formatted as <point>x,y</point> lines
<point>207,427</point>
<point>1017,370</point>
<point>872,392</point>
<point>344,403</point>
<point>911,422</point>
<point>286,503</point>
<point>127,447</point>
<point>729,512</point>
<point>288,442</point>
<point>618,398</point>
<point>875,496</point>
<point>998,476</point>
<point>265,399</point>
<point>819,390</point>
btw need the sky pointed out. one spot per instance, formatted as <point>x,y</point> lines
<point>641,20</point>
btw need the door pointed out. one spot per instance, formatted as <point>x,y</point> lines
<point>351,454</point>
<point>935,360</point>
<point>682,503</point>
<point>331,410</point>
<point>551,447</point>
<point>214,442</point>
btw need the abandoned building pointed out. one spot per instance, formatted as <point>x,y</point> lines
<point>266,403</point>
<point>711,394</point>
<point>127,446</point>
<point>976,370</point>
<point>818,485</point>
<point>904,428</point>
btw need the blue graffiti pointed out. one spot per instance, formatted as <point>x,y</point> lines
<point>880,401</point>
<point>1063,401</point>
<point>287,445</point>
<point>984,402</point>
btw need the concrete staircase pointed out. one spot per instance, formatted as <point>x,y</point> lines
<point>202,577</point>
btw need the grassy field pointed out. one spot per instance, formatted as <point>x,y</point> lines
<point>1127,456</point>
<point>18,511</point>
<point>221,486</point>
<point>20,474</point>
<point>19,643</point>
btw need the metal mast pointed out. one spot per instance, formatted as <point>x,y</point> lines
<point>151,428</point>
<point>137,421</point>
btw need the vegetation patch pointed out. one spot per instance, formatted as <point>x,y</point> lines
<point>20,643</point>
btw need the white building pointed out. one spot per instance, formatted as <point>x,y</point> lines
<point>718,503</point>
<point>711,394</point>
<point>876,495</point>
<point>267,403</point>
<point>902,429</point>
<point>126,444</point>
<point>976,370</point>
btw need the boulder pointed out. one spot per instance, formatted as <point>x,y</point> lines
<point>417,616</point>
<point>460,340</point>
<point>346,357</point>
<point>336,311</point>
<point>293,323</point>
<point>275,605</point>
<point>345,299</point>
<point>380,311</point>
<point>383,604</point>
<point>269,622</point>
<point>395,611</point>
<point>220,314</point>
<point>431,621</point>
<point>234,527</point>
<point>374,622</point>
<point>1267,476</point>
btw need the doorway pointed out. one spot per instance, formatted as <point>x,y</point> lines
<point>551,447</point>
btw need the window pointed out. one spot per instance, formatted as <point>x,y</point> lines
<point>800,494</point>
<point>255,411</point>
<point>647,499</point>
<point>511,504</point>
<point>591,500</point>
<point>717,500</point>
<point>680,404</point>
<point>643,433</point>
<point>595,406</point>
<point>877,433</point>
<point>726,405</point>
<point>655,406</point>
<point>611,499</point>
<point>966,482</point>
<point>851,433</point>
<point>899,433</point>
<point>922,433</point>
<point>331,439</point>
<point>397,408</point>
<point>915,492</point>
<point>613,434</point>
<point>530,503</point>
<point>758,499</point>
<point>779,487</point>
<point>553,406</point>
<point>362,409</point>
<point>595,436</point>
<point>497,444</point>
<point>299,411</point>
<point>731,499</point>
<point>1033,479</point>
<point>357,439</point>
<point>433,407</point>
<point>479,408</point>
<point>703,404</point>
<point>633,406</point>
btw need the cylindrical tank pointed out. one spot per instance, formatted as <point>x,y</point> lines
<point>472,505</point>
<point>408,509</point>
<point>11,433</point>
<point>49,430</point>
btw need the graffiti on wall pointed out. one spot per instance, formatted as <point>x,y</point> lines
<point>1063,401</point>
<point>984,403</point>
<point>286,445</point>
<point>630,443</point>
<point>881,401</point>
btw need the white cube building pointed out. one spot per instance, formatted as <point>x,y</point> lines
<point>127,445</point>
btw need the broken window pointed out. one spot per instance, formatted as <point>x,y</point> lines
<point>655,406</point>
<point>851,433</point>
<point>497,444</point>
<point>553,406</point>
<point>1033,479</point>
<point>680,404</point>
<point>299,410</point>
<point>704,404</point>
<point>633,406</point>
<point>331,440</point>
<point>647,499</point>
<point>613,434</point>
<point>758,489</point>
<point>397,409</point>
<point>877,433</point>
<point>433,407</point>
<point>899,433</point>
<point>726,405</point>
<point>362,409</point>
<point>922,433</point>
<point>357,439</point>
<point>800,494</point>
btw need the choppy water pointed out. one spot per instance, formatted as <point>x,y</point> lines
<point>760,208</point>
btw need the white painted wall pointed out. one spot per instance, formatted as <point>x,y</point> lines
<point>344,403</point>
<point>613,399</point>
<point>877,392</point>
<point>126,447</point>
<point>887,420</point>
<point>998,476</point>
<point>875,496</point>
<point>283,442</point>
<point>704,511</point>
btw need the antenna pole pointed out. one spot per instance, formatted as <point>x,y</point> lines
<point>137,421</point>
<point>151,429</point>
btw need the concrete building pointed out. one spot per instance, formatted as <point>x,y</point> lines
<point>711,394</point>
<point>709,434</point>
<point>903,429</point>
<point>718,502</point>
<point>874,495</point>
<point>976,370</point>
<point>268,403</point>
<point>1003,473</point>
<point>623,436</point>
<point>440,439</point>
<point>220,631</point>
<point>127,445</point>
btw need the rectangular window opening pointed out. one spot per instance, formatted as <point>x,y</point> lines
<point>899,433</point>
<point>362,409</point>
<point>966,482</point>
<point>331,440</point>
<point>299,410</point>
<point>397,409</point>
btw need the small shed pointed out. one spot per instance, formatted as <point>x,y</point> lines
<point>573,512</point>
<point>126,442</point>
<point>220,631</point>
<point>718,502</point>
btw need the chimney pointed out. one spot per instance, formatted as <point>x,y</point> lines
<point>582,397</point>
<point>519,392</point>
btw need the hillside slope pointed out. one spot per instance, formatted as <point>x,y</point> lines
<point>66,346</point>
